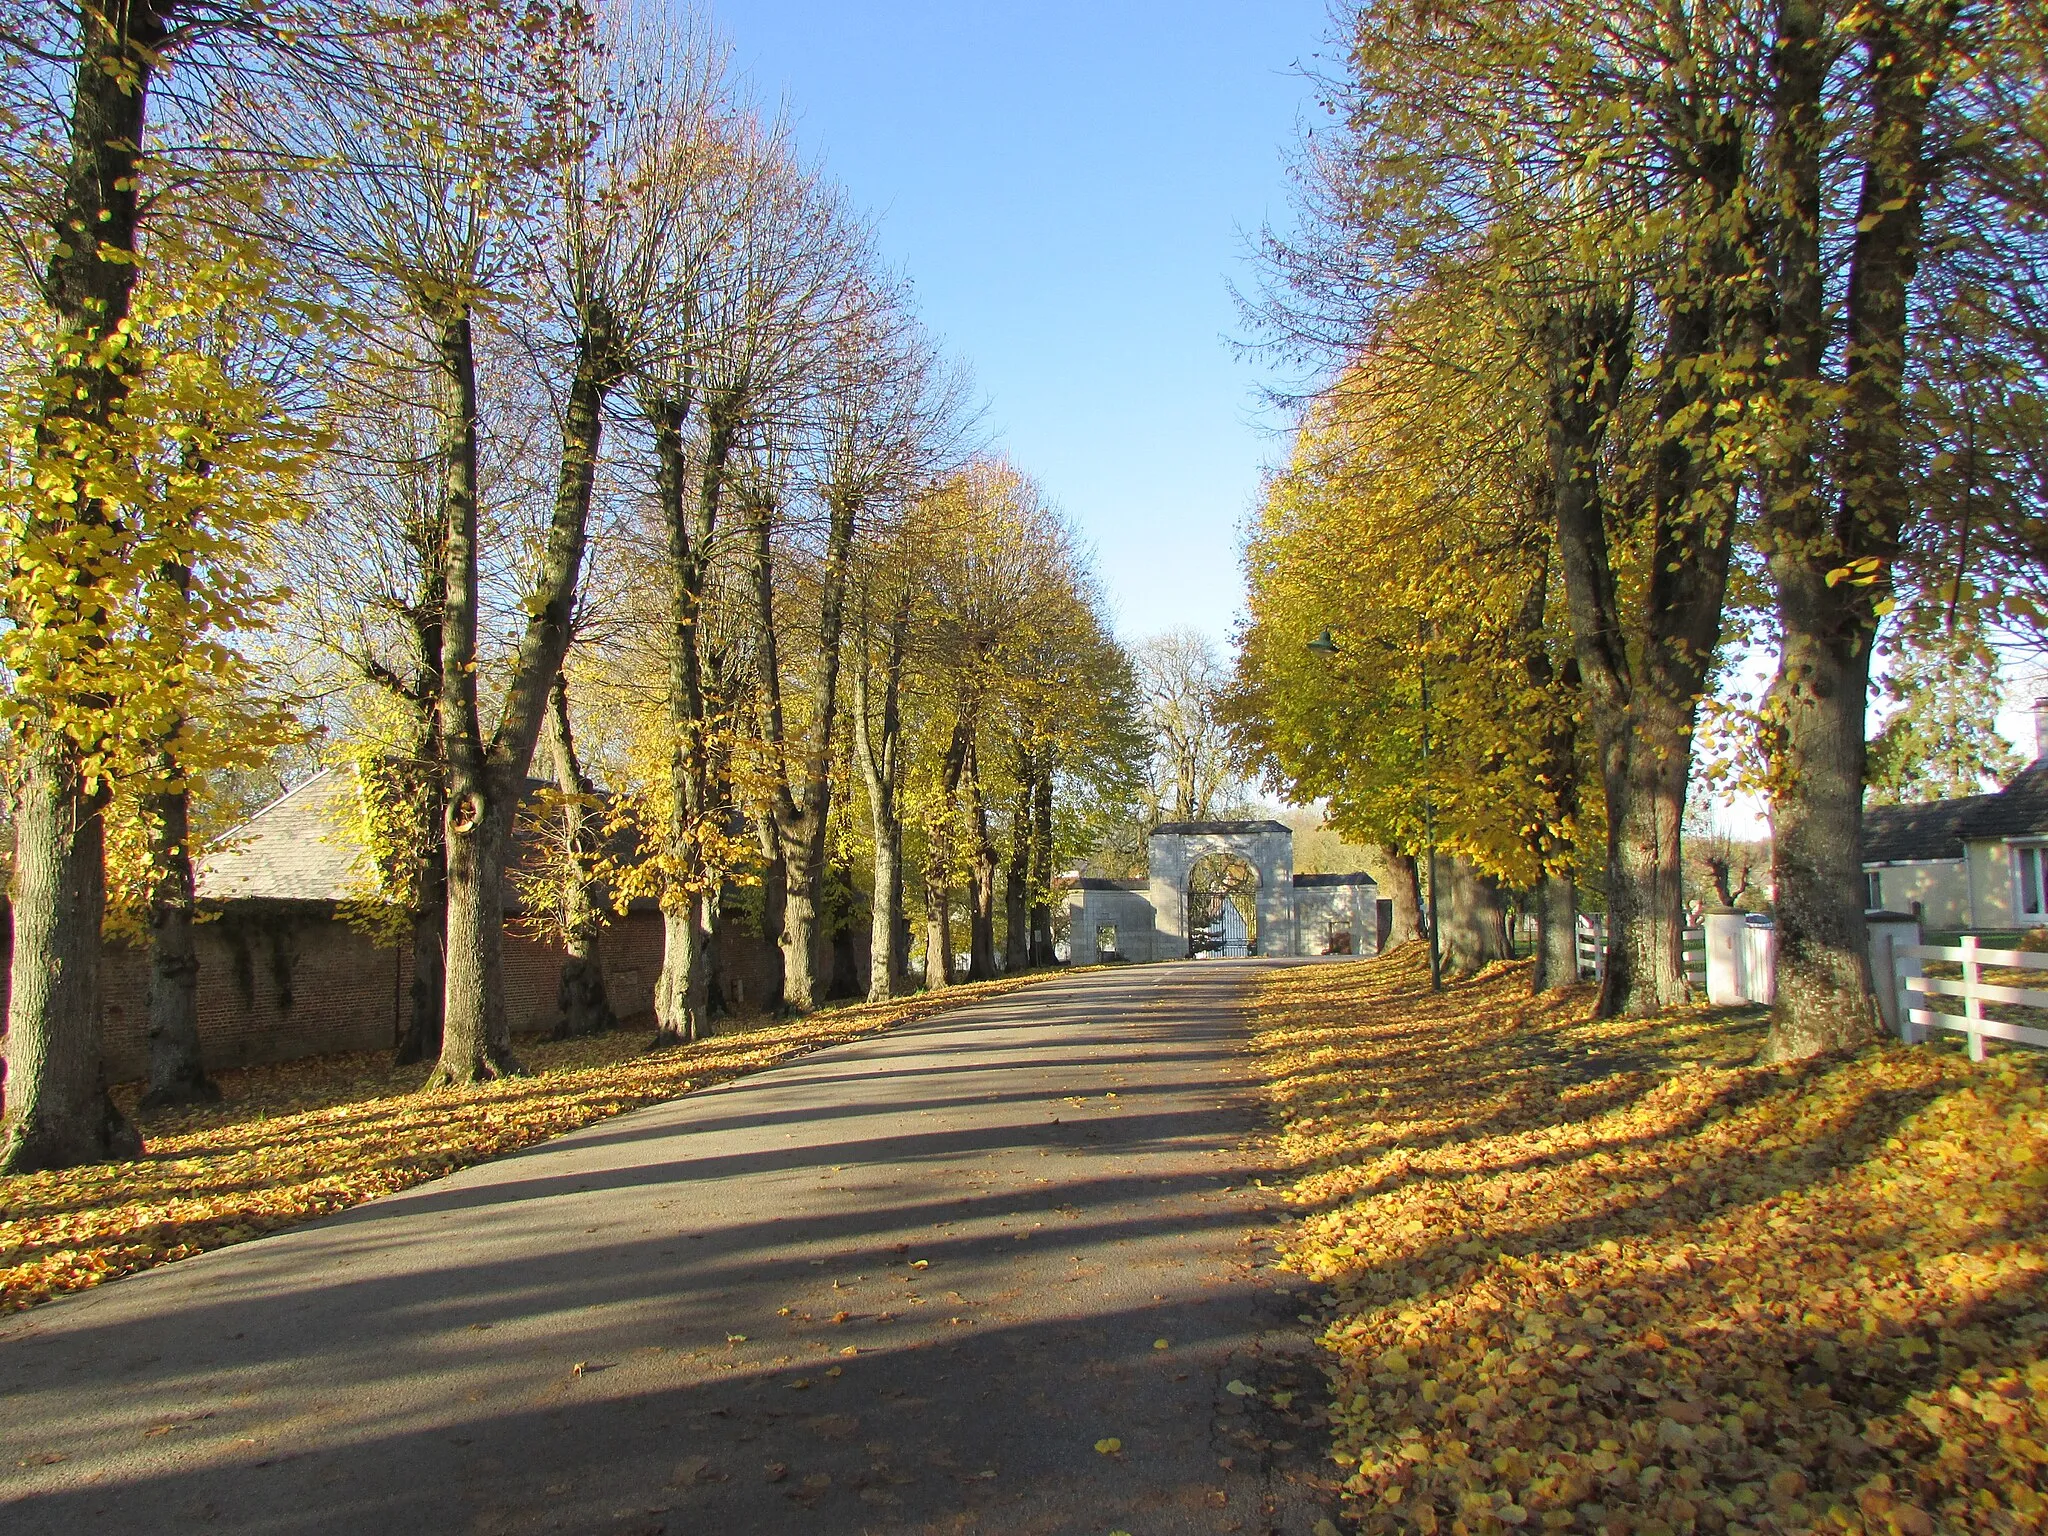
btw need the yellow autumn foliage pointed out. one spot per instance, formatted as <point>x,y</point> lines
<point>303,1139</point>
<point>1609,1277</point>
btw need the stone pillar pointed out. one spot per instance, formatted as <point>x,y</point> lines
<point>1727,978</point>
<point>1889,933</point>
<point>1166,868</point>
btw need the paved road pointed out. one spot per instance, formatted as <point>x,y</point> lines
<point>904,1285</point>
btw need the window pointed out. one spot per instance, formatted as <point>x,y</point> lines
<point>1105,941</point>
<point>1873,890</point>
<point>2033,877</point>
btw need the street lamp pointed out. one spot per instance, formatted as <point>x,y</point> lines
<point>1325,645</point>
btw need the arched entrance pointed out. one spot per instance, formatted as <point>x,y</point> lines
<point>1222,907</point>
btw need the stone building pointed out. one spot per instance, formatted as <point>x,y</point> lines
<point>1221,887</point>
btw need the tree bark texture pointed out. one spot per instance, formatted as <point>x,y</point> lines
<point>485,778</point>
<point>941,854</point>
<point>801,812</point>
<point>938,934</point>
<point>682,995</point>
<point>1475,918</point>
<point>421,1040</point>
<point>1404,889</point>
<point>876,746</point>
<point>981,963</point>
<point>1641,678</point>
<point>475,1043</point>
<point>1017,873</point>
<point>1817,702</point>
<point>1041,871</point>
<point>57,1110</point>
<point>177,1075</point>
<point>774,909</point>
<point>1557,939</point>
<point>1556,957</point>
<point>582,1005</point>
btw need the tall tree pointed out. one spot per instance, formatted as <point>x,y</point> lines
<point>1840,500</point>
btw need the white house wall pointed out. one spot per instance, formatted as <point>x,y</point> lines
<point>1128,911</point>
<point>1991,883</point>
<point>1321,909</point>
<point>1941,886</point>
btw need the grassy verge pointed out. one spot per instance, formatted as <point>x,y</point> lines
<point>307,1138</point>
<point>1609,1277</point>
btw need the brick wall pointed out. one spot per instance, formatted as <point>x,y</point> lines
<point>274,983</point>
<point>279,981</point>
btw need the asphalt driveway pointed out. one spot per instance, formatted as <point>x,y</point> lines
<point>996,1271</point>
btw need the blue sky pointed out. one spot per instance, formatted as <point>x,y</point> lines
<point>1072,189</point>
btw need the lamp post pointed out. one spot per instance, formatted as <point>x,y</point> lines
<point>1326,645</point>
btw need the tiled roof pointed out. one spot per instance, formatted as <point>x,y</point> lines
<point>2019,810</point>
<point>1937,829</point>
<point>1357,877</point>
<point>1214,828</point>
<point>1097,883</point>
<point>304,846</point>
<point>300,847</point>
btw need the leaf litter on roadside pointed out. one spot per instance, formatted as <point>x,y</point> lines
<point>1608,1276</point>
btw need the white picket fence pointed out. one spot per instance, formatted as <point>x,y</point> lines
<point>1746,972</point>
<point>1912,985</point>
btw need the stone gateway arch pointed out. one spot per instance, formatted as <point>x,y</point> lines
<point>1168,915</point>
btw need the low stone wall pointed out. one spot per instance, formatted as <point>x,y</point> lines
<point>283,980</point>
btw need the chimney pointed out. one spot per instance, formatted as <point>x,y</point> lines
<point>2040,729</point>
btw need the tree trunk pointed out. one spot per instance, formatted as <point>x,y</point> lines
<point>885,924</point>
<point>1827,601</point>
<point>981,963</point>
<point>476,1036</point>
<point>475,1041</point>
<point>485,779</point>
<point>1645,878</point>
<point>1041,871</point>
<point>1556,957</point>
<point>1404,889</point>
<point>941,855</point>
<point>581,1003</point>
<point>680,1003</point>
<point>1475,919</point>
<point>877,750</point>
<point>938,935</point>
<point>422,1038</point>
<point>1017,874</point>
<point>801,939</point>
<point>176,1073</point>
<point>1641,684</point>
<point>774,911</point>
<point>800,814</point>
<point>58,1112</point>
<point>682,994</point>
<point>57,1109</point>
<point>1557,936</point>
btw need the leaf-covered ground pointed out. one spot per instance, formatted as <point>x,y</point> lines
<point>1610,1277</point>
<point>306,1138</point>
